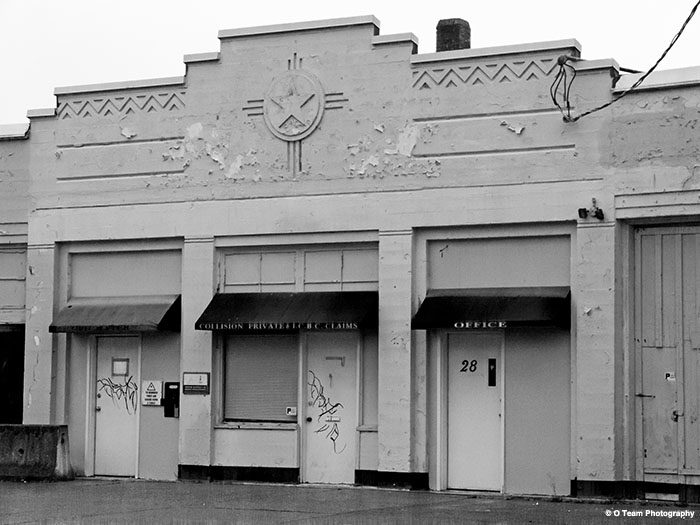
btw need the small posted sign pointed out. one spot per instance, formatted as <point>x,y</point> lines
<point>151,392</point>
<point>195,383</point>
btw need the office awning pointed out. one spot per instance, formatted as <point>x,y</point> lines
<point>284,312</point>
<point>120,314</point>
<point>494,308</point>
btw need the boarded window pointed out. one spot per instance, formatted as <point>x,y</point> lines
<point>277,271</point>
<point>322,270</point>
<point>346,270</point>
<point>123,274</point>
<point>304,269</point>
<point>509,262</point>
<point>12,275</point>
<point>360,267</point>
<point>261,376</point>
<point>260,271</point>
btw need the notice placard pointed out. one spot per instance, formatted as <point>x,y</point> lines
<point>195,383</point>
<point>151,392</point>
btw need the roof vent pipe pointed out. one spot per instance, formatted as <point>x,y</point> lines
<point>453,33</point>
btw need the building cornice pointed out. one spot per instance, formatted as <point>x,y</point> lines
<point>116,86</point>
<point>689,76</point>
<point>570,46</point>
<point>299,26</point>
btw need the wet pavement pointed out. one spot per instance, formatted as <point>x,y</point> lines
<point>135,501</point>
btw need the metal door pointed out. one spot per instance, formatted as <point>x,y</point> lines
<point>667,347</point>
<point>116,406</point>
<point>474,408</point>
<point>331,407</point>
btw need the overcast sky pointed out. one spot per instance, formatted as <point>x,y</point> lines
<point>46,44</point>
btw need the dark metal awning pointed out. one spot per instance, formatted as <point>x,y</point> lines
<point>494,308</point>
<point>284,312</point>
<point>120,314</point>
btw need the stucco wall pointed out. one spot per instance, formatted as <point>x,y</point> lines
<point>651,147</point>
<point>158,439</point>
<point>14,198</point>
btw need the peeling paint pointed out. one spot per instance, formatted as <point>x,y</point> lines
<point>369,161</point>
<point>215,155</point>
<point>127,132</point>
<point>240,162</point>
<point>518,130</point>
<point>195,146</point>
<point>692,181</point>
<point>194,131</point>
<point>428,132</point>
<point>407,140</point>
<point>174,153</point>
<point>234,169</point>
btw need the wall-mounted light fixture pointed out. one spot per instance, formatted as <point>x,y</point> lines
<point>593,211</point>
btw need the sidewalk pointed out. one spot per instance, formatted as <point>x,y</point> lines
<point>92,500</point>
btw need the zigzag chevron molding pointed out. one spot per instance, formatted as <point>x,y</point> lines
<point>119,106</point>
<point>428,78</point>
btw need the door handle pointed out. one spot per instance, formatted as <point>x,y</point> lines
<point>309,419</point>
<point>676,415</point>
<point>97,409</point>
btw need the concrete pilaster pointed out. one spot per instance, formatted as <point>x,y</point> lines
<point>38,349</point>
<point>596,356</point>
<point>395,357</point>
<point>198,284</point>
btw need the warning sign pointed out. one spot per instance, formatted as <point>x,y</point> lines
<point>151,392</point>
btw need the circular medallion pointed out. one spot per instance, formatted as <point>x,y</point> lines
<point>294,105</point>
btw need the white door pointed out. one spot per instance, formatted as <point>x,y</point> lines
<point>331,407</point>
<point>474,386</point>
<point>667,341</point>
<point>116,406</point>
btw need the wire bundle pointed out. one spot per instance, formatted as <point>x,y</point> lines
<point>567,73</point>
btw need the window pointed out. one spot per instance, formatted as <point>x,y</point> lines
<point>261,380</point>
<point>303,269</point>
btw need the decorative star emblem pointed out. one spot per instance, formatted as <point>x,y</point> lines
<point>294,105</point>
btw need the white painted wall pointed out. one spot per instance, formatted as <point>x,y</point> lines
<point>251,447</point>
<point>158,435</point>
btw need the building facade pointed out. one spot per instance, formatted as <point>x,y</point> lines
<point>323,257</point>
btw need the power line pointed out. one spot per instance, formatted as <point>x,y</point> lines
<point>567,73</point>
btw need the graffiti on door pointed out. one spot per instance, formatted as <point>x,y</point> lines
<point>327,417</point>
<point>119,393</point>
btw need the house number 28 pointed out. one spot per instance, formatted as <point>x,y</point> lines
<point>468,366</point>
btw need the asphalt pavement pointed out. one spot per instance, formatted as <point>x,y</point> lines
<point>93,500</point>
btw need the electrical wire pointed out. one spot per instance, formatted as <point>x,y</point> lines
<point>566,74</point>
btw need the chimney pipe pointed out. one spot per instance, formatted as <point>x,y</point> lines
<point>453,33</point>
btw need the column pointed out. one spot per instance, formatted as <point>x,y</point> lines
<point>395,359</point>
<point>38,347</point>
<point>198,284</point>
<point>597,359</point>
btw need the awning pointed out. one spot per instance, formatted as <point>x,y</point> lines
<point>494,308</point>
<point>120,314</point>
<point>284,312</point>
